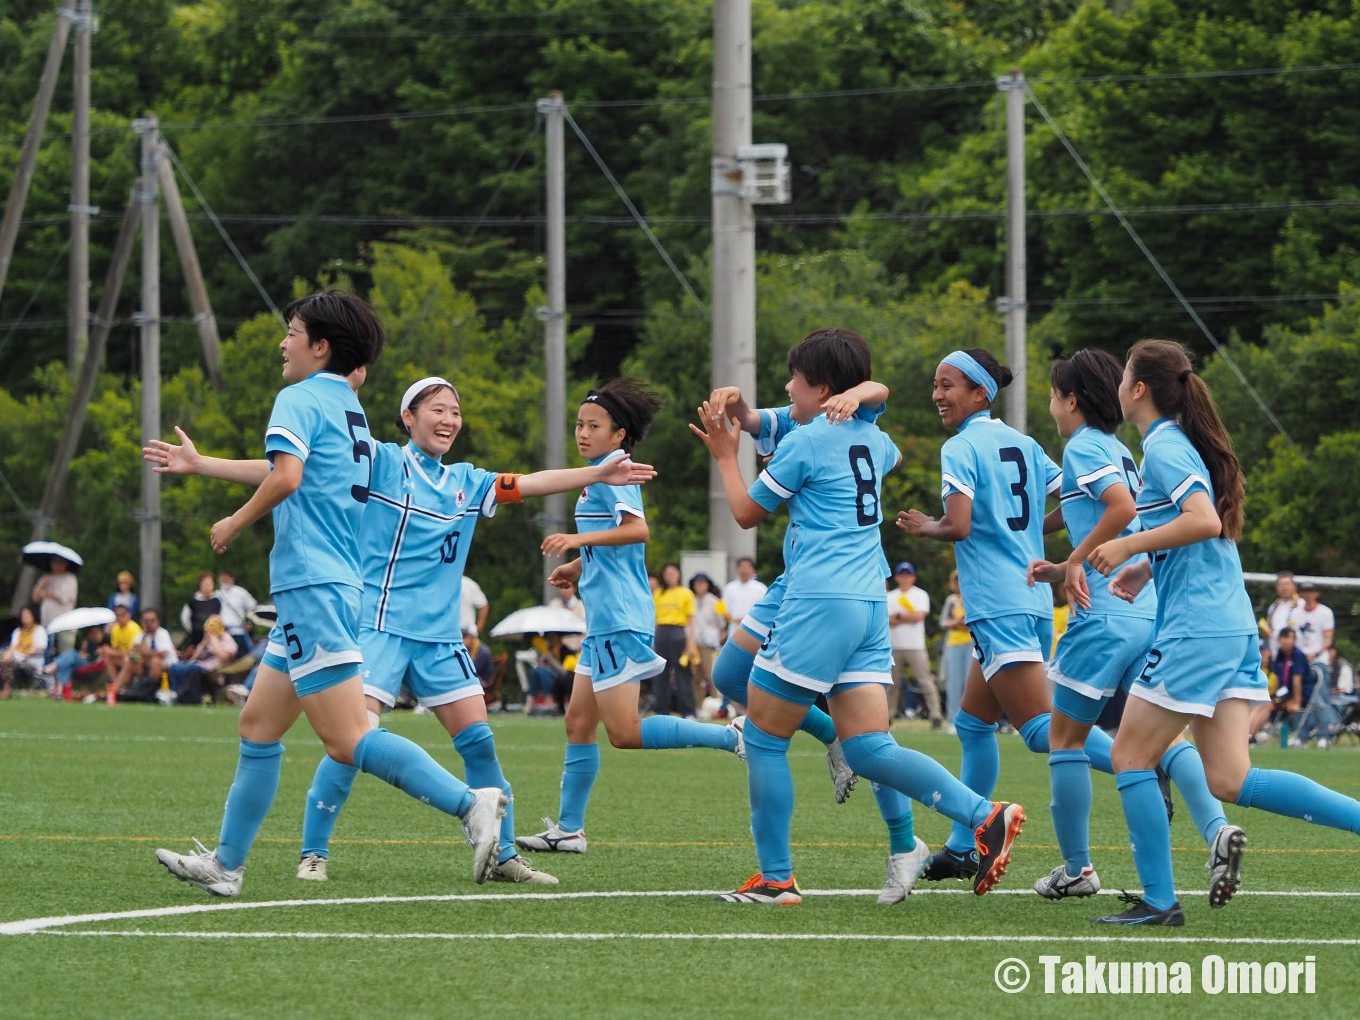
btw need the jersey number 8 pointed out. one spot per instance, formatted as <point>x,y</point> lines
<point>866,491</point>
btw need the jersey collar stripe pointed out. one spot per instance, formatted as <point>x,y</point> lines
<point>279,430</point>
<point>380,617</point>
<point>415,463</point>
<point>1157,428</point>
<point>949,480</point>
<point>779,490</point>
<point>1179,491</point>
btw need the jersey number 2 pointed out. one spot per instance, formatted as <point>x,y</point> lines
<point>1012,455</point>
<point>866,492</point>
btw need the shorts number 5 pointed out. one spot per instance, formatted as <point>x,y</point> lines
<point>294,642</point>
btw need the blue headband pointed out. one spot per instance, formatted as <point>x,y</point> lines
<point>969,366</point>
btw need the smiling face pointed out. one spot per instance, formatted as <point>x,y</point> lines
<point>300,356</point>
<point>807,399</point>
<point>595,432</point>
<point>435,421</point>
<point>956,397</point>
<point>1065,413</point>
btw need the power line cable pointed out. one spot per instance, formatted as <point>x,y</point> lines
<point>231,245</point>
<point>641,221</point>
<point>1147,253</point>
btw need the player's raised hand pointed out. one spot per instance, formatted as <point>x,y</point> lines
<point>168,458</point>
<point>625,472</point>
<point>556,545</point>
<point>726,400</point>
<point>723,438</point>
<point>1043,570</point>
<point>913,522</point>
<point>841,407</point>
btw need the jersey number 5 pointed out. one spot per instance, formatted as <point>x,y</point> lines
<point>1012,455</point>
<point>866,491</point>
<point>354,419</point>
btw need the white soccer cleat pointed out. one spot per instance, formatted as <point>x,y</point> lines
<point>738,726</point>
<point>517,869</point>
<point>1058,884</point>
<point>1225,864</point>
<point>903,871</point>
<point>843,777</point>
<point>554,840</point>
<point>202,870</point>
<point>482,826</point>
<point>312,868</point>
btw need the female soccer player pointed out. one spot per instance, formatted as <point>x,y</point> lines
<point>321,458</point>
<point>731,674</point>
<point>1204,667</point>
<point>1108,639</point>
<point>831,634</point>
<point>994,482</point>
<point>616,655</point>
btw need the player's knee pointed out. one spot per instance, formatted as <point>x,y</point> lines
<point>1224,783</point>
<point>626,734</point>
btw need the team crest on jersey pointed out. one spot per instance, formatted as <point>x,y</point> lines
<point>584,491</point>
<point>459,499</point>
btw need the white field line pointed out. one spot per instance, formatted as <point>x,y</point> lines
<point>562,936</point>
<point>36,924</point>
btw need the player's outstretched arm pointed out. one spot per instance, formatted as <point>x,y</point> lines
<point>632,531</point>
<point>723,443</point>
<point>622,471</point>
<point>729,401</point>
<point>954,526</point>
<point>277,486</point>
<point>842,406</point>
<point>185,459</point>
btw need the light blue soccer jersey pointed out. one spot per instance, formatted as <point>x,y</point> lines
<point>832,476</point>
<point>316,528</point>
<point>1093,461</point>
<point>415,540</point>
<point>1007,476</point>
<point>1200,592</point>
<point>613,577</point>
<point>775,424</point>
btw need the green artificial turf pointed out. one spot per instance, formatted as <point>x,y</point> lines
<point>88,792</point>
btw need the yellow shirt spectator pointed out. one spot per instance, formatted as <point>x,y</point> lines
<point>122,636</point>
<point>674,606</point>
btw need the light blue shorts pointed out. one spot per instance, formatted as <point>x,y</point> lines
<point>762,615</point>
<point>315,637</point>
<point>1192,675</point>
<point>436,673</point>
<point>823,644</point>
<point>785,691</point>
<point>1010,640</point>
<point>1096,657</point>
<point>620,657</point>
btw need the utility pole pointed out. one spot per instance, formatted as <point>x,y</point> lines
<point>28,156</point>
<point>55,489</point>
<point>1013,305</point>
<point>554,317</point>
<point>78,305</point>
<point>734,256</point>
<point>193,272</point>
<point>149,318</point>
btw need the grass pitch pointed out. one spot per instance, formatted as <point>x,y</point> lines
<point>89,792</point>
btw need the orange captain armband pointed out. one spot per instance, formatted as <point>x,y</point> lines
<point>507,489</point>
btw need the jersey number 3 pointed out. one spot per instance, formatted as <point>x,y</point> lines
<point>866,486</point>
<point>1012,455</point>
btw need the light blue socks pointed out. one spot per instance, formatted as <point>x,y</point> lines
<point>1098,743</point>
<point>330,789</point>
<point>770,784</point>
<point>407,766</point>
<point>1069,776</point>
<point>252,793</point>
<point>1186,769</point>
<point>1149,835</point>
<point>980,768</point>
<point>732,677</point>
<point>578,776</point>
<point>878,758</point>
<point>477,747</point>
<point>1287,793</point>
<point>665,731</point>
<point>896,811</point>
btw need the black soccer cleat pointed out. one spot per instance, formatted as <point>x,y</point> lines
<point>1140,913</point>
<point>948,863</point>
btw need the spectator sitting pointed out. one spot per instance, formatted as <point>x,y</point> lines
<point>1343,673</point>
<point>152,653</point>
<point>237,605</point>
<point>1263,712</point>
<point>123,637</point>
<point>237,693</point>
<point>56,592</point>
<point>77,663</point>
<point>189,678</point>
<point>544,679</point>
<point>568,599</point>
<point>24,656</point>
<point>125,595</point>
<point>473,606</point>
<point>197,610</point>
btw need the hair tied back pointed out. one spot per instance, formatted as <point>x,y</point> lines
<point>1185,376</point>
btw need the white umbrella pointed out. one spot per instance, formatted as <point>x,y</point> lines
<point>39,554</point>
<point>540,620</point>
<point>80,619</point>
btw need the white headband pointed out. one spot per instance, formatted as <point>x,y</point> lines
<point>423,384</point>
